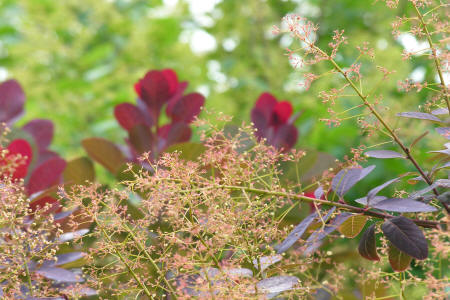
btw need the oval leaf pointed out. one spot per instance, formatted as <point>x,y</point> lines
<point>79,170</point>
<point>373,192</point>
<point>383,154</point>
<point>419,115</point>
<point>406,236</point>
<point>41,130</point>
<point>353,225</point>
<point>104,152</point>
<point>367,245</point>
<point>399,260</point>
<point>403,205</point>
<point>46,175</point>
<point>12,99</point>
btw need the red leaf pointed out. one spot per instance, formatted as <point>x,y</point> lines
<point>282,111</point>
<point>185,109</point>
<point>12,99</point>
<point>129,115</point>
<point>41,130</point>
<point>173,134</point>
<point>172,79</point>
<point>265,105</point>
<point>46,175</point>
<point>155,89</point>
<point>23,148</point>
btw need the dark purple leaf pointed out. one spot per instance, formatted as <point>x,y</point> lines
<point>41,130</point>
<point>440,111</point>
<point>296,233</point>
<point>383,154</point>
<point>46,175</point>
<point>398,260</point>
<point>104,152</point>
<point>444,131</point>
<point>185,109</point>
<point>406,236</point>
<point>419,115</point>
<point>285,137</point>
<point>315,240</point>
<point>345,180</point>
<point>367,245</point>
<point>403,205</point>
<point>12,99</point>
<point>129,116</point>
<point>59,274</point>
<point>373,192</point>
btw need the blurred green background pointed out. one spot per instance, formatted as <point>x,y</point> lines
<point>76,59</point>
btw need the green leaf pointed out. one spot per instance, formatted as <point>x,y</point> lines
<point>188,151</point>
<point>399,260</point>
<point>79,170</point>
<point>104,152</point>
<point>367,245</point>
<point>353,226</point>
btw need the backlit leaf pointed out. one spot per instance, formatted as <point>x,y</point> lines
<point>79,170</point>
<point>104,152</point>
<point>398,260</point>
<point>353,225</point>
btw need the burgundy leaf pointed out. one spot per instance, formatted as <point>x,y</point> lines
<point>46,175</point>
<point>129,115</point>
<point>444,131</point>
<point>156,88</point>
<point>171,134</point>
<point>45,155</point>
<point>285,137</point>
<point>406,236</point>
<point>419,115</point>
<point>367,245</point>
<point>40,203</point>
<point>383,154</point>
<point>185,109</point>
<point>141,138</point>
<point>12,99</point>
<point>42,132</point>
<point>265,106</point>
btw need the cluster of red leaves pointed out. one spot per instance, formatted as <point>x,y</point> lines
<point>273,122</point>
<point>29,158</point>
<point>156,90</point>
